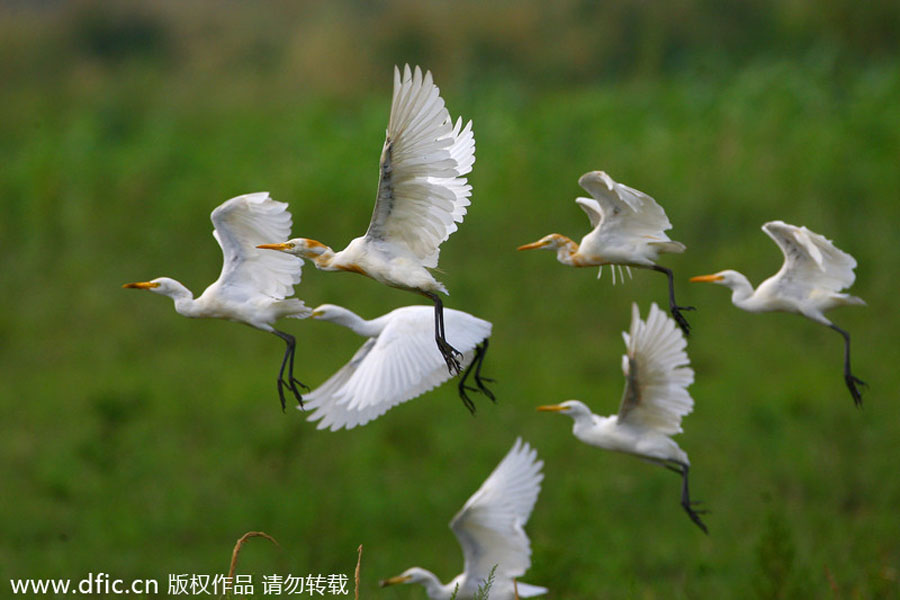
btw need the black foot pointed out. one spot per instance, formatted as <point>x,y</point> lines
<point>467,402</point>
<point>291,385</point>
<point>695,514</point>
<point>852,382</point>
<point>451,356</point>
<point>679,318</point>
<point>480,381</point>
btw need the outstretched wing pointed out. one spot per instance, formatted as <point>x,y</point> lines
<point>240,225</point>
<point>615,205</point>
<point>656,373</point>
<point>490,526</point>
<point>810,259</point>
<point>422,193</point>
<point>399,365</point>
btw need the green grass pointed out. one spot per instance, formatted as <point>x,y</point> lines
<point>140,443</point>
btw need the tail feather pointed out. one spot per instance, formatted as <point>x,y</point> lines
<point>526,590</point>
<point>293,308</point>
<point>669,246</point>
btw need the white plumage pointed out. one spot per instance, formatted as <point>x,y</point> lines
<point>657,374</point>
<point>397,363</point>
<point>628,230</point>
<point>809,283</point>
<point>490,528</point>
<point>422,195</point>
<point>253,285</point>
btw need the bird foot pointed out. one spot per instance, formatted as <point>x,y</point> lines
<point>852,381</point>
<point>296,382</point>
<point>483,388</point>
<point>291,385</point>
<point>695,514</point>
<point>451,356</point>
<point>679,318</point>
<point>467,402</point>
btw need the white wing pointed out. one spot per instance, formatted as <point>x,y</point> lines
<point>421,191</point>
<point>240,225</point>
<point>810,260</point>
<point>399,365</point>
<point>490,526</point>
<point>656,373</point>
<point>615,205</point>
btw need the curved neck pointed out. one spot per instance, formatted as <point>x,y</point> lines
<point>565,250</point>
<point>325,260</point>
<point>433,586</point>
<point>184,299</point>
<point>741,290</point>
<point>352,321</point>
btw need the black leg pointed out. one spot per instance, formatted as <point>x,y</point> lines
<point>849,378</point>
<point>451,355</point>
<point>288,361</point>
<point>686,502</point>
<point>673,306</point>
<point>475,365</point>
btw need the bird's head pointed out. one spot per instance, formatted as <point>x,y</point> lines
<point>411,575</point>
<point>302,247</point>
<point>727,278</point>
<point>548,242</point>
<point>165,286</point>
<point>573,408</point>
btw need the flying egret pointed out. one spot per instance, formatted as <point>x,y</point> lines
<point>628,230</point>
<point>809,284</point>
<point>490,528</point>
<point>422,195</point>
<point>395,364</point>
<point>655,398</point>
<point>254,285</point>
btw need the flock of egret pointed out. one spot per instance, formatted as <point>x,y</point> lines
<point>422,195</point>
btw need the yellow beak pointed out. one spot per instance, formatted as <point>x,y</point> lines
<point>142,285</point>
<point>394,580</point>
<point>552,407</point>
<point>282,246</point>
<point>704,278</point>
<point>533,245</point>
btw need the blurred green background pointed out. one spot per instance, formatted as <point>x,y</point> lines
<point>140,443</point>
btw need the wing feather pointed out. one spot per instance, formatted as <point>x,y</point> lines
<point>625,208</point>
<point>811,259</point>
<point>241,224</point>
<point>422,193</point>
<point>398,365</point>
<point>490,526</point>
<point>656,373</point>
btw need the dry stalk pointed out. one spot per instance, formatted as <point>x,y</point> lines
<point>356,573</point>
<point>240,542</point>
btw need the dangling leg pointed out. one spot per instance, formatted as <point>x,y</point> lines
<point>686,502</point>
<point>288,361</point>
<point>480,350</point>
<point>451,355</point>
<point>849,378</point>
<point>673,306</point>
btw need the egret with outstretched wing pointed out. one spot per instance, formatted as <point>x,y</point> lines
<point>422,195</point>
<point>654,401</point>
<point>628,230</point>
<point>254,285</point>
<point>809,283</point>
<point>395,364</point>
<point>490,528</point>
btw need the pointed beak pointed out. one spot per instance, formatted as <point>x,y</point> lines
<point>283,246</point>
<point>551,408</point>
<point>142,285</point>
<point>394,580</point>
<point>316,313</point>
<point>533,245</point>
<point>705,278</point>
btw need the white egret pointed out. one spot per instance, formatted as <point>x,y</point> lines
<point>422,195</point>
<point>654,401</point>
<point>490,528</point>
<point>254,285</point>
<point>395,364</point>
<point>628,230</point>
<point>809,283</point>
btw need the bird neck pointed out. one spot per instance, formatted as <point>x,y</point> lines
<point>566,249</point>
<point>183,298</point>
<point>433,586</point>
<point>741,289</point>
<point>352,321</point>
<point>325,261</point>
